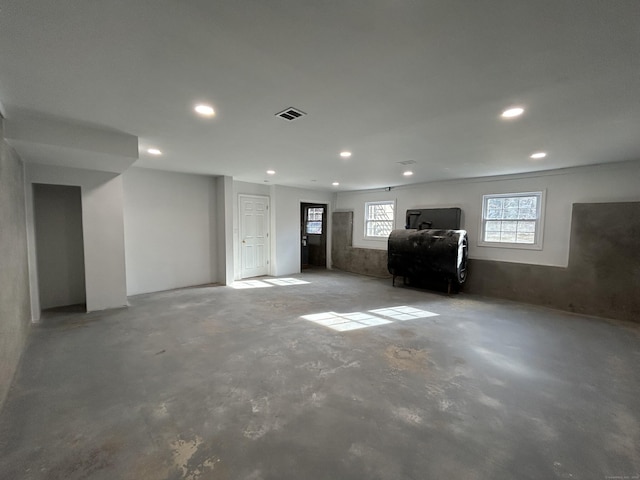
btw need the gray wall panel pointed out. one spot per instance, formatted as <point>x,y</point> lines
<point>15,313</point>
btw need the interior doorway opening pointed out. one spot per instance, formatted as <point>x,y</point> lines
<point>59,246</point>
<point>313,235</point>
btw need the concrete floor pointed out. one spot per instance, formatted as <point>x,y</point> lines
<point>223,383</point>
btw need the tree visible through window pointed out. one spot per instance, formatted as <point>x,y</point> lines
<point>513,218</point>
<point>378,217</point>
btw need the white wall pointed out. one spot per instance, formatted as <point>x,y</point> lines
<point>287,226</point>
<point>224,229</point>
<point>103,232</point>
<point>618,182</point>
<point>60,251</point>
<point>284,223</point>
<point>170,230</point>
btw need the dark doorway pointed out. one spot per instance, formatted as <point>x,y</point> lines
<point>59,245</point>
<point>313,235</point>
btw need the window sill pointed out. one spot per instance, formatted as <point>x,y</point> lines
<point>375,243</point>
<point>519,246</point>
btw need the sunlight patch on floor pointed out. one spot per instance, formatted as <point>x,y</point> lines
<point>403,313</point>
<point>343,322</point>
<point>267,282</point>
<point>250,284</point>
<point>285,281</point>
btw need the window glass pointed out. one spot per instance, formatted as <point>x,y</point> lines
<point>513,218</point>
<point>379,218</point>
<point>314,221</point>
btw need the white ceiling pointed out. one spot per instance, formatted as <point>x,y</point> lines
<point>390,80</point>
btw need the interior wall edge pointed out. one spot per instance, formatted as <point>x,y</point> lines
<point>15,301</point>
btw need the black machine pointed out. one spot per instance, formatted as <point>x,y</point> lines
<point>431,247</point>
<point>436,218</point>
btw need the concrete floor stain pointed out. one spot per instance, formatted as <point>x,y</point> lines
<point>187,458</point>
<point>406,333</point>
<point>406,358</point>
<point>85,462</point>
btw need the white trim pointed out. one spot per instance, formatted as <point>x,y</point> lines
<point>393,222</point>
<point>539,233</point>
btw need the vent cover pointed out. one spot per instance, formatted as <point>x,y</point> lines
<point>290,114</point>
<point>407,162</point>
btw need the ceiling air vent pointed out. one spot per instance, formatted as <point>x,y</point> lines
<point>407,162</point>
<point>290,114</point>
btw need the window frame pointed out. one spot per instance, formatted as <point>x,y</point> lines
<point>539,229</point>
<point>367,221</point>
<point>322,220</point>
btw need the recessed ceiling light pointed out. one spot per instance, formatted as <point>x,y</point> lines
<point>335,184</point>
<point>205,110</point>
<point>271,172</point>
<point>408,173</point>
<point>512,112</point>
<point>154,151</point>
<point>345,154</point>
<point>538,155</point>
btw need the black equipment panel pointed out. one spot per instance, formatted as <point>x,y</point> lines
<point>433,218</point>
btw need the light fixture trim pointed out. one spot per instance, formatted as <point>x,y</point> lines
<point>204,110</point>
<point>154,151</point>
<point>538,155</point>
<point>512,112</point>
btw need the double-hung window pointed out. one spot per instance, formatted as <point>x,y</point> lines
<point>512,220</point>
<point>378,219</point>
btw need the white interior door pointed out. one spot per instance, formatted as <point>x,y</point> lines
<point>254,236</point>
